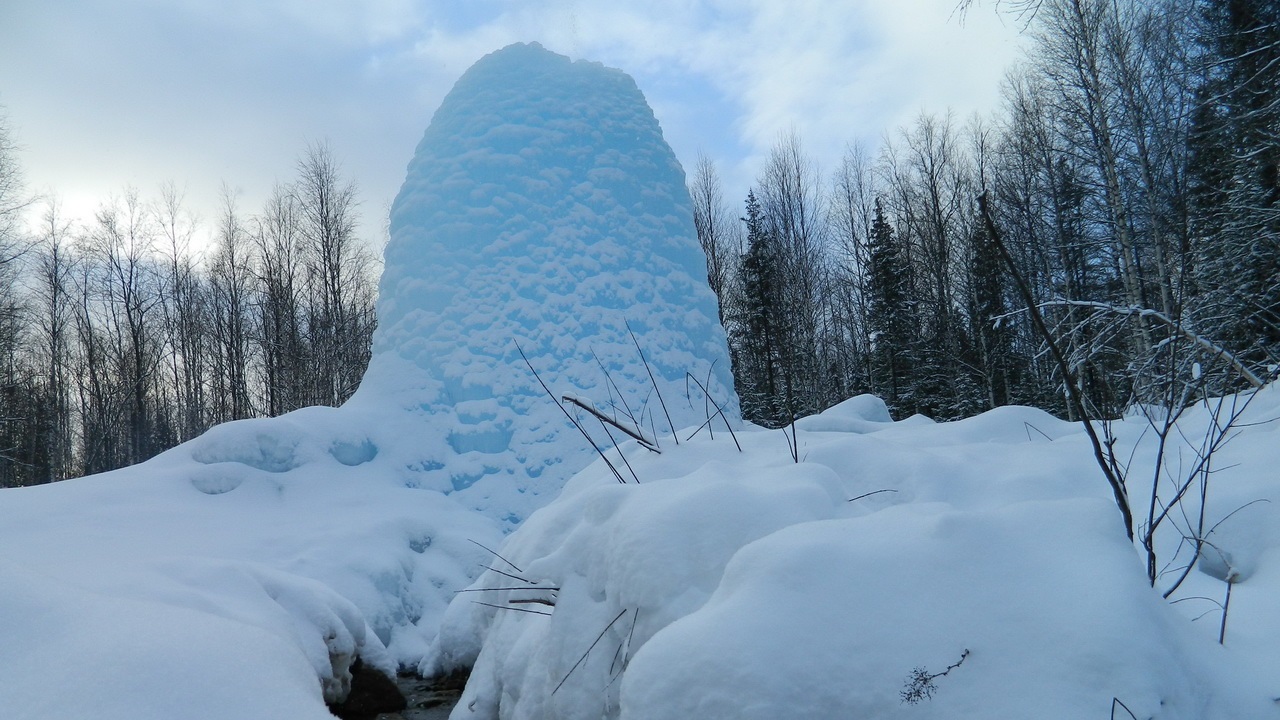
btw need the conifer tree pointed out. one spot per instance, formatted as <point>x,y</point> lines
<point>889,316</point>
<point>757,335</point>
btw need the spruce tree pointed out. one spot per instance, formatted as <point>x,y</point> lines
<point>758,333</point>
<point>889,316</point>
<point>993,343</point>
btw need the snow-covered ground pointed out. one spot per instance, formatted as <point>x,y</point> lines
<point>727,583</point>
<point>236,576</point>
<point>743,585</point>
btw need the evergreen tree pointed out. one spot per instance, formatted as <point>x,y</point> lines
<point>889,316</point>
<point>993,343</point>
<point>757,330</point>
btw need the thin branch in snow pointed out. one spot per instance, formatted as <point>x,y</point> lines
<point>588,652</point>
<point>572,419</point>
<point>654,381</point>
<point>495,554</point>
<point>632,431</point>
<point>873,492</point>
<point>507,574</point>
<point>513,609</point>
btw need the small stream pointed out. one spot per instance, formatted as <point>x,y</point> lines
<point>426,699</point>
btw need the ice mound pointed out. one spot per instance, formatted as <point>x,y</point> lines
<point>543,212</point>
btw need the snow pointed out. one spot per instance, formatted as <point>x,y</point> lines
<point>744,585</point>
<point>543,213</point>
<point>251,551</point>
<point>238,575</point>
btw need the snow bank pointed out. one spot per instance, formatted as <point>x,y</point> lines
<point>256,551</point>
<point>741,585</point>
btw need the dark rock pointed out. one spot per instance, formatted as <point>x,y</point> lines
<point>372,693</point>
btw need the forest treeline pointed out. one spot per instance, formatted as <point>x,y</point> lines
<point>120,338</point>
<point>1133,176</point>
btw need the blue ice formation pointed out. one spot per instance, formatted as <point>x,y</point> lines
<point>543,212</point>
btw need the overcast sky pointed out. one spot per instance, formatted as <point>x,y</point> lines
<point>102,94</point>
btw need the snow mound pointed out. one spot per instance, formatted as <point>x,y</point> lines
<point>744,585</point>
<point>256,550</point>
<point>543,213</point>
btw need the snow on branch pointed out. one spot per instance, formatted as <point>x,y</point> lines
<point>1181,329</point>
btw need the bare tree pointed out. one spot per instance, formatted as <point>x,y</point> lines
<point>230,280</point>
<point>185,313</point>
<point>851,214</point>
<point>793,212</point>
<point>53,323</point>
<point>13,201</point>
<point>277,241</point>
<point>719,233</point>
<point>340,315</point>
<point>121,310</point>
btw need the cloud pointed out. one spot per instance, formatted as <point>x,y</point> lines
<point>198,91</point>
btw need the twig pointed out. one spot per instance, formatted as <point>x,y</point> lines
<point>1226,606</point>
<point>532,601</point>
<point>633,432</point>
<point>512,609</point>
<point>495,554</point>
<point>507,574</point>
<point>588,652</point>
<point>793,443</point>
<point>455,592</point>
<point>572,419</point>
<point>873,492</point>
<point>1028,427</point>
<point>613,387</point>
<point>1116,701</point>
<point>719,411</point>
<point>656,389</point>
<point>920,683</point>
<point>618,450</point>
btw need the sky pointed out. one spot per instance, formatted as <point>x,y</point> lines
<point>103,95</point>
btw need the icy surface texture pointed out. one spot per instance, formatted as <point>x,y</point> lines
<point>542,211</point>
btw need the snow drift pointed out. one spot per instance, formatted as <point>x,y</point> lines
<point>743,585</point>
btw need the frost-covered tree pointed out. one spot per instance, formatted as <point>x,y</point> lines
<point>1236,144</point>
